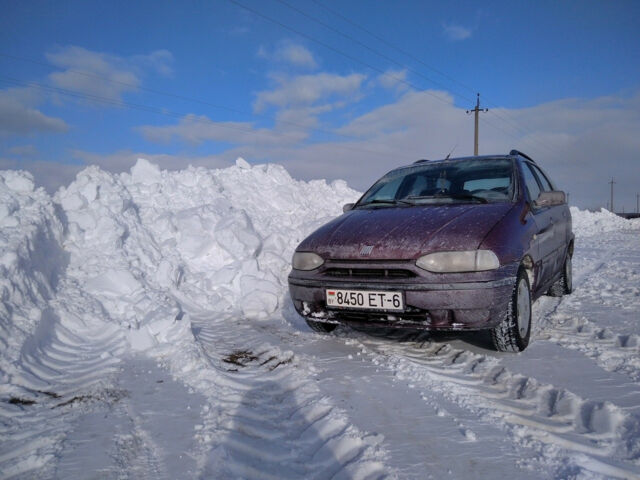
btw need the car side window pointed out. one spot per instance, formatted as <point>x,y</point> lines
<point>531,183</point>
<point>546,184</point>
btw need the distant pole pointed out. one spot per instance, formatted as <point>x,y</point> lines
<point>476,111</point>
<point>637,202</point>
<point>568,198</point>
<point>612,183</point>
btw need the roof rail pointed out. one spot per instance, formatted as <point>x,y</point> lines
<point>422,160</point>
<point>517,152</point>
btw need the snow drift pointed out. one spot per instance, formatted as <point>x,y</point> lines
<point>143,243</point>
<point>31,261</point>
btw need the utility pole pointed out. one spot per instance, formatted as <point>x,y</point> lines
<point>567,198</point>
<point>637,202</point>
<point>612,183</point>
<point>476,111</point>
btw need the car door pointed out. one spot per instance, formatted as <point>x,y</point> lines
<point>543,242</point>
<point>560,218</point>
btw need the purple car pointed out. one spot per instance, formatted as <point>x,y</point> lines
<point>455,244</point>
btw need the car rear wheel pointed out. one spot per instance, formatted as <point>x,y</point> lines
<point>321,327</point>
<point>564,285</point>
<point>513,333</point>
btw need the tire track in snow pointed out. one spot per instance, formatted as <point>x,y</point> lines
<point>134,452</point>
<point>563,321</point>
<point>569,432</point>
<point>268,419</point>
<point>64,369</point>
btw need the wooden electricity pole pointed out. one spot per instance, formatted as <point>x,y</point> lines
<point>612,183</point>
<point>476,110</point>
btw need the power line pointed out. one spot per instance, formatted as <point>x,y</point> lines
<point>169,113</point>
<point>335,50</point>
<point>366,64</point>
<point>355,40</point>
<point>391,45</point>
<point>235,110</point>
<point>506,118</point>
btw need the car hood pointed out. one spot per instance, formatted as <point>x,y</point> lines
<point>405,233</point>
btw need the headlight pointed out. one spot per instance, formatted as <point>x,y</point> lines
<point>306,261</point>
<point>469,261</point>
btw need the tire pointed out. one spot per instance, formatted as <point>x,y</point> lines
<point>513,333</point>
<point>564,285</point>
<point>321,327</point>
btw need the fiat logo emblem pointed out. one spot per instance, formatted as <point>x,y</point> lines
<point>366,250</point>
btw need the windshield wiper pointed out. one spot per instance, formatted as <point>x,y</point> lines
<point>455,196</point>
<point>390,201</point>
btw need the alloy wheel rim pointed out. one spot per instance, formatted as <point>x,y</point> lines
<point>524,308</point>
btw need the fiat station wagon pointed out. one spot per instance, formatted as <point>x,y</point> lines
<point>455,244</point>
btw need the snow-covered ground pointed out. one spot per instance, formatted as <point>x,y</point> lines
<point>146,332</point>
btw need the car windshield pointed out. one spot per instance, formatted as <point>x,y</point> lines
<point>458,181</point>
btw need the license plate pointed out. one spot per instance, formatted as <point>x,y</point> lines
<point>365,299</point>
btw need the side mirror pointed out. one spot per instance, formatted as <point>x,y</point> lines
<point>550,199</point>
<point>347,206</point>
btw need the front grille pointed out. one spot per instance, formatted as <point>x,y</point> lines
<point>369,273</point>
<point>411,315</point>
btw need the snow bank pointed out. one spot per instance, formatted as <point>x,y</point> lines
<point>31,261</point>
<point>586,223</point>
<point>145,245</point>
<point>150,242</point>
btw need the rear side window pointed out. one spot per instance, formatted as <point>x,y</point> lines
<point>531,183</point>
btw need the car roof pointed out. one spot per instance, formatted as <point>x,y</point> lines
<point>513,154</point>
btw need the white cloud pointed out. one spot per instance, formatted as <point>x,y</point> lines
<point>394,80</point>
<point>104,75</point>
<point>299,100</point>
<point>456,32</point>
<point>290,53</point>
<point>18,115</point>
<point>305,90</point>
<point>160,60</point>
<point>196,129</point>
<point>296,55</point>
<point>581,143</point>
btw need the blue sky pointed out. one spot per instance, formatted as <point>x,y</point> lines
<point>329,89</point>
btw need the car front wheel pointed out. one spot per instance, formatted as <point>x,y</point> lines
<point>513,333</point>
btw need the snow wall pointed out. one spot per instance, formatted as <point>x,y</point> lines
<point>137,249</point>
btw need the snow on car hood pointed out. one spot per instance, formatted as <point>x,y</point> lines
<point>405,232</point>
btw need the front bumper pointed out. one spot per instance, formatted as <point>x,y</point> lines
<point>432,306</point>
